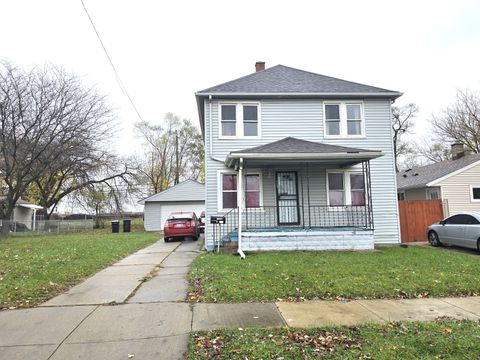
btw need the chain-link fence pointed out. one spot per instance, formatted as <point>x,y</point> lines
<point>9,227</point>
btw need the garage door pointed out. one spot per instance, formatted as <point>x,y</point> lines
<point>156,213</point>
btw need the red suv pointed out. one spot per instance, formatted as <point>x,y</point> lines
<point>181,224</point>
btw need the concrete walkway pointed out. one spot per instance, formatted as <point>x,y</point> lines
<point>115,315</point>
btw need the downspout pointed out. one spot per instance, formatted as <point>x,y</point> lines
<point>240,207</point>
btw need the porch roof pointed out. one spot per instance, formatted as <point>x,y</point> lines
<point>296,150</point>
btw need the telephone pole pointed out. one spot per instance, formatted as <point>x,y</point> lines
<point>177,175</point>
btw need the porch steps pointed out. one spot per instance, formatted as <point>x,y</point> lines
<point>229,247</point>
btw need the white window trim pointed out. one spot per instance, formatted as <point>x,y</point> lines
<point>429,191</point>
<point>239,120</point>
<point>220,173</point>
<point>343,120</point>
<point>471,193</point>
<point>347,196</point>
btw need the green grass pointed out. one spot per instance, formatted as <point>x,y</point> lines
<point>442,339</point>
<point>36,268</point>
<point>390,272</point>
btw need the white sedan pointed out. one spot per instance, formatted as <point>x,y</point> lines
<point>460,230</point>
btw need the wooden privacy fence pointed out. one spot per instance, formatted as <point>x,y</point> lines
<point>416,216</point>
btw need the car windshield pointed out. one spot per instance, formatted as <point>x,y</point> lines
<point>186,216</point>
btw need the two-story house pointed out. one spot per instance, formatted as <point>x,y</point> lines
<point>298,160</point>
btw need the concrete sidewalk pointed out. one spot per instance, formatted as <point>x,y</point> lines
<point>151,320</point>
<point>323,313</point>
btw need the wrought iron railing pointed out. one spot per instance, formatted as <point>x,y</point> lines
<point>227,231</point>
<point>313,216</point>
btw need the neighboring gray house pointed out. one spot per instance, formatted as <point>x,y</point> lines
<point>24,213</point>
<point>297,160</point>
<point>456,182</point>
<point>188,195</point>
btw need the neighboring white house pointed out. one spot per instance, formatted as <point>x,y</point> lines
<point>24,213</point>
<point>188,195</point>
<point>456,182</point>
<point>298,160</point>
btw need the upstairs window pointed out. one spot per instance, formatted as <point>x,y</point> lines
<point>250,120</point>
<point>354,119</point>
<point>239,120</point>
<point>229,120</point>
<point>343,119</point>
<point>332,119</point>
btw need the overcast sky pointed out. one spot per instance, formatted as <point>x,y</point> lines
<point>164,51</point>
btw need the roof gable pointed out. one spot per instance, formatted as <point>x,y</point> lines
<point>188,190</point>
<point>420,177</point>
<point>282,79</point>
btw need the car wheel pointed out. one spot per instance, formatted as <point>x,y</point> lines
<point>166,239</point>
<point>433,239</point>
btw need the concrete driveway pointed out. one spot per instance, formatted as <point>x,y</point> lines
<point>116,315</point>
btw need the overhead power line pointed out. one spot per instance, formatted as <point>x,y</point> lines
<point>117,76</point>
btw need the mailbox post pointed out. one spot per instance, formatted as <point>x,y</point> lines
<point>217,220</point>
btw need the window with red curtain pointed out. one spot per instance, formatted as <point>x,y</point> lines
<point>229,191</point>
<point>252,190</point>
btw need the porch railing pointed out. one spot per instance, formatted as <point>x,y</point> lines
<point>226,232</point>
<point>313,216</point>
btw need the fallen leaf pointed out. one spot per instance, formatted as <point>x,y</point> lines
<point>447,330</point>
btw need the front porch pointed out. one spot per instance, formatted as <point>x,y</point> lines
<point>298,201</point>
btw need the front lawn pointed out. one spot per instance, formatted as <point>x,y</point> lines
<point>442,339</point>
<point>38,267</point>
<point>389,272</point>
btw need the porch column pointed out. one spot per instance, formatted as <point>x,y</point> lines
<point>240,194</point>
<point>369,193</point>
<point>34,218</point>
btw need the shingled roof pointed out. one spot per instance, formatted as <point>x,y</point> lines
<point>419,177</point>
<point>285,80</point>
<point>292,149</point>
<point>291,145</point>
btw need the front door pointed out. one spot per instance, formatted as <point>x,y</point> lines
<point>287,198</point>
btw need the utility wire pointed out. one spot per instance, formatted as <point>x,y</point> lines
<point>117,76</point>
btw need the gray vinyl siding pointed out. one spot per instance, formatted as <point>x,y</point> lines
<point>416,194</point>
<point>303,119</point>
<point>188,190</point>
<point>152,213</point>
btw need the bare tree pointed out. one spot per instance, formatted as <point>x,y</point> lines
<point>402,123</point>
<point>172,152</point>
<point>53,135</point>
<point>100,198</point>
<point>436,151</point>
<point>460,122</point>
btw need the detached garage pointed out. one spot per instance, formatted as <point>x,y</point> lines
<point>185,196</point>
